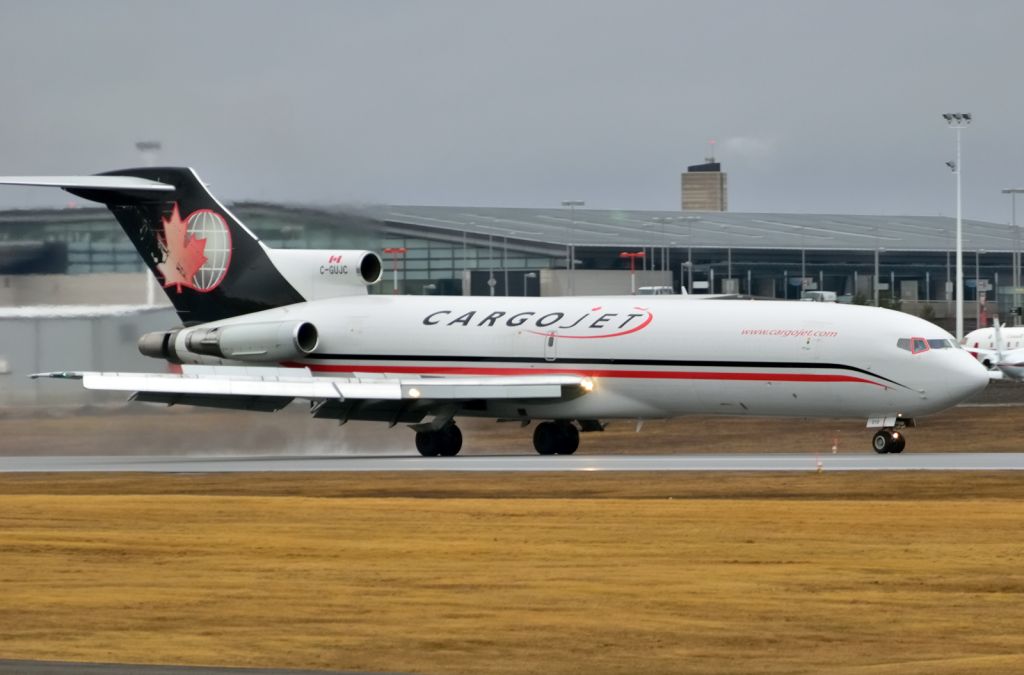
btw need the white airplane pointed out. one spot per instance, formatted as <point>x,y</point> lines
<point>999,348</point>
<point>263,327</point>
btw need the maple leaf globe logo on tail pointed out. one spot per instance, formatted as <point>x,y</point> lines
<point>197,250</point>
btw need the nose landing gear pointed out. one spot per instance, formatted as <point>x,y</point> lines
<point>888,441</point>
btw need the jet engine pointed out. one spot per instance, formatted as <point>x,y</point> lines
<point>269,342</point>
<point>319,274</point>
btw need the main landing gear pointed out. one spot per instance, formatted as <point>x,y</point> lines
<point>888,441</point>
<point>556,438</point>
<point>444,442</point>
<point>561,437</point>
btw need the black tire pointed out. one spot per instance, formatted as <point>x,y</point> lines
<point>428,443</point>
<point>569,438</point>
<point>901,442</point>
<point>882,442</point>
<point>451,441</point>
<point>545,438</point>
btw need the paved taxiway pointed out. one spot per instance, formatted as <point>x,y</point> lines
<point>992,461</point>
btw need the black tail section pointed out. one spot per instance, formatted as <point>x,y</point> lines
<point>211,266</point>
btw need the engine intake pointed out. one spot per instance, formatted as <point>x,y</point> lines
<point>370,268</point>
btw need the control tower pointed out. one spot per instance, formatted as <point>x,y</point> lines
<point>704,187</point>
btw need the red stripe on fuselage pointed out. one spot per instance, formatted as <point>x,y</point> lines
<point>586,372</point>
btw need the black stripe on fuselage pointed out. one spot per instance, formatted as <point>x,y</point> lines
<point>601,362</point>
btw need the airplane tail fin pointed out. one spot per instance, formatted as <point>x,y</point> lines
<point>210,264</point>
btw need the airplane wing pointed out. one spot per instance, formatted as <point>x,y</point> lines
<point>271,389</point>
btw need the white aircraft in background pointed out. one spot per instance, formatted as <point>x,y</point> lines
<point>263,327</point>
<point>999,348</point>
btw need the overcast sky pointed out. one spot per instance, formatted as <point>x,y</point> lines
<point>816,106</point>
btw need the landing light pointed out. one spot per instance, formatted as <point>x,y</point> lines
<point>414,393</point>
<point>587,385</point>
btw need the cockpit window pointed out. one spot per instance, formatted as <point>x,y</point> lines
<point>916,345</point>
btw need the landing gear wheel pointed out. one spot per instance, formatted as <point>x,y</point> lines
<point>545,438</point>
<point>427,443</point>
<point>556,438</point>
<point>445,442</point>
<point>901,442</point>
<point>570,438</point>
<point>888,440</point>
<point>451,440</point>
<point>880,442</point>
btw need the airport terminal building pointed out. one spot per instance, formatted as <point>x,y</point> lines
<point>516,251</point>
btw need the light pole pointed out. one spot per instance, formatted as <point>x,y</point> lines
<point>1015,258</point>
<point>504,261</point>
<point>876,278</point>
<point>663,221</point>
<point>570,264</point>
<point>394,252</point>
<point>977,288</point>
<point>689,251</point>
<point>632,255</point>
<point>491,281</point>
<point>149,151</point>
<point>526,280</point>
<point>958,122</point>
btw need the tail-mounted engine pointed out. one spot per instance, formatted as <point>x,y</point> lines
<point>318,274</point>
<point>270,342</point>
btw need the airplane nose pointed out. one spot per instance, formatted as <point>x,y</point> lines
<point>967,378</point>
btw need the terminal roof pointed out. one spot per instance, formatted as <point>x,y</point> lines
<point>700,229</point>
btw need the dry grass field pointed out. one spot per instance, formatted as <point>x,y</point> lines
<point>449,573</point>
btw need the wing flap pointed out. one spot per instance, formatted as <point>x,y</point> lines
<point>251,403</point>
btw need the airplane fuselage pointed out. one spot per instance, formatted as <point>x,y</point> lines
<point>650,357</point>
<point>1002,351</point>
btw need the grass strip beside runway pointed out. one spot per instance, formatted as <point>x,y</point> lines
<point>915,573</point>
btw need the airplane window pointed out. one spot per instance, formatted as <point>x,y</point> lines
<point>917,345</point>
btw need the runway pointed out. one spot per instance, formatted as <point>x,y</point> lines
<point>517,463</point>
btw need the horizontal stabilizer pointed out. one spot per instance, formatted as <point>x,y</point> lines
<point>112,183</point>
